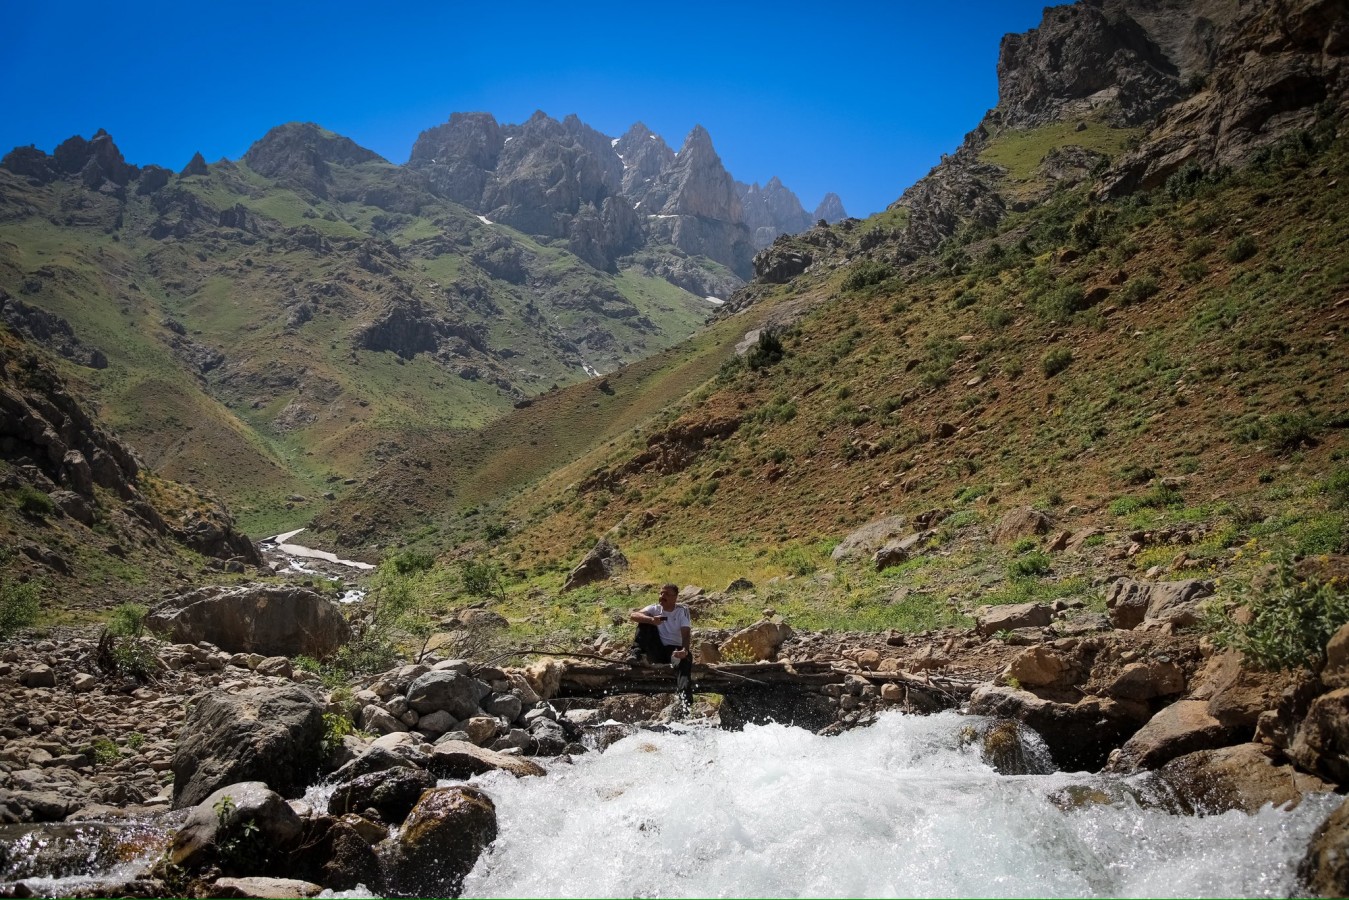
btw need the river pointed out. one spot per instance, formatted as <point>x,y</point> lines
<point>906,807</point>
<point>897,809</point>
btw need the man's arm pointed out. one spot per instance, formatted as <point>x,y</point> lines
<point>642,617</point>
<point>686,636</point>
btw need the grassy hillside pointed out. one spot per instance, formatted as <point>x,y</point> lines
<point>1162,375</point>
<point>232,310</point>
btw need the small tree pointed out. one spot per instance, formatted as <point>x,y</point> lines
<point>766,351</point>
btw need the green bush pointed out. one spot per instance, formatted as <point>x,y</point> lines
<point>481,579</point>
<point>866,273</point>
<point>1056,360</point>
<point>1290,621</point>
<point>33,502</point>
<point>1240,250</point>
<point>127,620</point>
<point>410,562</point>
<point>766,351</point>
<point>19,606</point>
<point>1138,289</point>
<point>1030,565</point>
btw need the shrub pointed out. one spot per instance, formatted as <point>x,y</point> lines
<point>766,351</point>
<point>1138,289</point>
<point>1056,360</point>
<point>1240,250</point>
<point>866,273</point>
<point>1290,621</point>
<point>33,502</point>
<point>481,579</point>
<point>127,620</point>
<point>410,562</point>
<point>997,318</point>
<point>103,751</point>
<point>1029,566</point>
<point>1193,272</point>
<point>19,606</point>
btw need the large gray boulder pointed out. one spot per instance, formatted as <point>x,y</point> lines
<point>1129,603</point>
<point>242,824</point>
<point>274,620</point>
<point>439,843</point>
<point>870,537</point>
<point>456,694</point>
<point>263,734</point>
<point>602,562</point>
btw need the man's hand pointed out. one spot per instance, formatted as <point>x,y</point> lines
<point>679,654</point>
<point>656,620</point>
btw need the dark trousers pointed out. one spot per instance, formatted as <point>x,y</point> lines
<point>649,644</point>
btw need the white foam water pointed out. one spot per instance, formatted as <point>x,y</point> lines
<point>901,808</point>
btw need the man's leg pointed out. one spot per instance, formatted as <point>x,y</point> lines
<point>684,679</point>
<point>647,643</point>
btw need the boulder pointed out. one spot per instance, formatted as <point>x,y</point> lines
<point>1237,693</point>
<point>991,619</point>
<point>1145,680</point>
<point>1321,742</point>
<point>481,730</point>
<point>1130,602</point>
<point>1019,523</point>
<point>1038,666</point>
<point>870,538</point>
<point>379,759</point>
<point>439,843</point>
<point>437,723</point>
<point>899,550</point>
<point>602,562</point>
<point>274,734</point>
<point>1183,727</point>
<point>377,719</point>
<point>274,620</point>
<point>759,641</point>
<point>1244,777</point>
<point>456,694</point>
<point>391,793</point>
<point>507,706</point>
<point>1324,871</point>
<point>242,825</point>
<point>279,888</point>
<point>1335,674</point>
<point>461,759</point>
<point>1079,734</point>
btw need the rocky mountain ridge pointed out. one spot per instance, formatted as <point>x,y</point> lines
<point>509,257</point>
<point>1121,93</point>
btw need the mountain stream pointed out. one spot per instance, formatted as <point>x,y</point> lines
<point>906,807</point>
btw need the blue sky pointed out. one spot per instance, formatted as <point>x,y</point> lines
<point>858,98</point>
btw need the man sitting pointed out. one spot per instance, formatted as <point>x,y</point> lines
<point>664,635</point>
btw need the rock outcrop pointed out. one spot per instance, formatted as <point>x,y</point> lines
<point>772,210</point>
<point>273,620</point>
<point>262,734</point>
<point>301,154</point>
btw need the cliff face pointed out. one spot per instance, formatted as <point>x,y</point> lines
<point>772,210</point>
<point>1279,68</point>
<point>1122,94</point>
<point>50,445</point>
<point>605,196</point>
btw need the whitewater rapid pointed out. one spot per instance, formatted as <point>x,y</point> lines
<point>897,809</point>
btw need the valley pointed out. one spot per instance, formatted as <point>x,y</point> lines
<point>1024,501</point>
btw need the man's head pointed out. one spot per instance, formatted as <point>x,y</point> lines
<point>669,594</point>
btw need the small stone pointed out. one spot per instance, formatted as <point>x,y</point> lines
<point>83,683</point>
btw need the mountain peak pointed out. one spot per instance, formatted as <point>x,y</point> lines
<point>698,141</point>
<point>300,152</point>
<point>830,209</point>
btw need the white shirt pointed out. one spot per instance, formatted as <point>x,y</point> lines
<point>675,619</point>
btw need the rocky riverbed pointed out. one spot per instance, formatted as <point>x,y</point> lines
<point>213,768</point>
